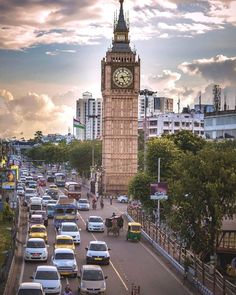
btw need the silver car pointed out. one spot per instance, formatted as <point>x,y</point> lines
<point>83,204</point>
<point>92,280</point>
<point>36,250</point>
<point>95,223</point>
<point>65,261</point>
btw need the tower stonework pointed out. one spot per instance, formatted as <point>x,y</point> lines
<point>120,89</point>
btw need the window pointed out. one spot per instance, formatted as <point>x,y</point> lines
<point>177,124</point>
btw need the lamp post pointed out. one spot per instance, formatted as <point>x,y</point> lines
<point>146,94</point>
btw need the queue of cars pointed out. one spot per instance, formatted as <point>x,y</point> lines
<point>47,279</point>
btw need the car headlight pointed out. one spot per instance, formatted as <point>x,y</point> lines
<point>27,252</point>
<point>103,287</point>
<point>89,254</point>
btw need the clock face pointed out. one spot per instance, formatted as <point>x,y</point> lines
<point>122,77</point>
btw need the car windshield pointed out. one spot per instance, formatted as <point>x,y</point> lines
<point>135,228</point>
<point>35,207</point>
<point>35,244</point>
<point>92,275</point>
<point>64,256</point>
<point>30,191</point>
<point>37,230</point>
<point>52,208</point>
<point>29,292</point>
<point>70,211</point>
<point>98,247</point>
<point>46,275</point>
<point>65,241</point>
<point>36,220</point>
<point>83,201</point>
<point>95,219</point>
<point>69,228</point>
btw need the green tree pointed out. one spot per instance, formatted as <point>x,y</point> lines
<point>187,141</point>
<point>202,190</point>
<point>139,188</point>
<point>165,149</point>
<point>38,136</point>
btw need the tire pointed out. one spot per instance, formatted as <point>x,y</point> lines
<point>122,201</point>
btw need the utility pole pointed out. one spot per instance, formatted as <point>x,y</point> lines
<point>158,201</point>
<point>146,94</point>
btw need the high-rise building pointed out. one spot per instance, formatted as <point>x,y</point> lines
<point>89,113</point>
<point>120,88</point>
<point>155,105</point>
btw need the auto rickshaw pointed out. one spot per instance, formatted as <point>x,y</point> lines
<point>134,231</point>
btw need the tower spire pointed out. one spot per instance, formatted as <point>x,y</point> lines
<point>121,25</point>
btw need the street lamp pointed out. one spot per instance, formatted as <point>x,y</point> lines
<point>146,94</point>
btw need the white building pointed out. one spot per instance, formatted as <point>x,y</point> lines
<point>220,125</point>
<point>89,113</point>
<point>155,105</point>
<point>170,123</point>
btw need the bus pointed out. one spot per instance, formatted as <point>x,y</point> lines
<point>73,190</point>
<point>60,179</point>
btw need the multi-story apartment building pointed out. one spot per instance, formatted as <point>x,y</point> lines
<point>155,105</point>
<point>170,123</point>
<point>89,113</point>
<point>220,125</point>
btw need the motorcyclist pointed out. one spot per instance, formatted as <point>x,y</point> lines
<point>113,214</point>
<point>67,290</point>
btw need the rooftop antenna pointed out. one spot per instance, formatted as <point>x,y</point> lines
<point>200,100</point>
<point>178,103</point>
<point>225,100</point>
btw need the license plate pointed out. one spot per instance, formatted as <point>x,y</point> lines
<point>98,259</point>
<point>35,254</point>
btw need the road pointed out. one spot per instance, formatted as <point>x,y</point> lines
<point>131,263</point>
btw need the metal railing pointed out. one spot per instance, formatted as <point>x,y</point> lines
<point>206,278</point>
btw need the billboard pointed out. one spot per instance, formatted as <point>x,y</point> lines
<point>9,177</point>
<point>158,191</point>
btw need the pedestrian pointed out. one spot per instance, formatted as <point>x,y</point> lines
<point>110,200</point>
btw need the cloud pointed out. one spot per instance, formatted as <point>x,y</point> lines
<point>166,80</point>
<point>30,113</point>
<point>219,69</point>
<point>57,52</point>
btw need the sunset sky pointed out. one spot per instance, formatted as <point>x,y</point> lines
<point>51,51</point>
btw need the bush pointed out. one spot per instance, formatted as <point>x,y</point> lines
<point>7,213</point>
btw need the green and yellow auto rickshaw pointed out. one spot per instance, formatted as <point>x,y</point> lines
<point>134,231</point>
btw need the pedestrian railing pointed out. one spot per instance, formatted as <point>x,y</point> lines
<point>206,278</point>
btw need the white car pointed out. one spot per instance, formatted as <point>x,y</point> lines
<point>70,229</point>
<point>95,223</point>
<point>36,250</point>
<point>20,191</point>
<point>30,288</point>
<point>123,199</point>
<point>65,261</point>
<point>45,200</point>
<point>49,277</point>
<point>97,252</point>
<point>92,278</point>
<point>83,204</point>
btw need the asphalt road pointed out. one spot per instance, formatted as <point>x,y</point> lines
<point>131,263</point>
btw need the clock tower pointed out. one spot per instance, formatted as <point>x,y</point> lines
<point>120,85</point>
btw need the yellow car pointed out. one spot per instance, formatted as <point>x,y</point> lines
<point>63,241</point>
<point>38,231</point>
<point>53,186</point>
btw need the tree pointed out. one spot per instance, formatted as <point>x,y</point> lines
<point>38,136</point>
<point>165,149</point>
<point>202,190</point>
<point>187,141</point>
<point>139,188</point>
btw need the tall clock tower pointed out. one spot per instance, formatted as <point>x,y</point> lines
<point>120,88</point>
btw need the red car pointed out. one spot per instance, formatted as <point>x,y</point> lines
<point>42,182</point>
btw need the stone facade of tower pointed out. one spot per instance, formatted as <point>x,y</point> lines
<point>120,89</point>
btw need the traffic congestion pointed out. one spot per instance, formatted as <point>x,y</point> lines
<point>77,244</point>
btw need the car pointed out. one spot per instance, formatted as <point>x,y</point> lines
<point>92,278</point>
<point>83,204</point>
<point>36,250</point>
<point>97,253</point>
<point>52,202</point>
<point>50,178</point>
<point>32,184</point>
<point>30,288</point>
<point>64,241</point>
<point>51,210</point>
<point>70,229</point>
<point>65,261</point>
<point>36,219</point>
<point>95,223</point>
<point>52,193</point>
<point>46,199</point>
<point>38,231</point>
<point>123,199</point>
<point>49,277</point>
<point>53,186</point>
<point>20,191</point>
<point>29,193</point>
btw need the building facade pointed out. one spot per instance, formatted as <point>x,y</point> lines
<point>89,113</point>
<point>155,105</point>
<point>120,83</point>
<point>220,125</point>
<point>170,123</point>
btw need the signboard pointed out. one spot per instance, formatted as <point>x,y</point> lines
<point>9,177</point>
<point>158,191</point>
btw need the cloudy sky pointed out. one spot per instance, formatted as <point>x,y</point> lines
<point>50,53</point>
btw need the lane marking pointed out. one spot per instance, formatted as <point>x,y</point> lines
<point>165,267</point>
<point>112,265</point>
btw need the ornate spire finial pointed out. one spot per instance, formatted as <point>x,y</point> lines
<point>121,24</point>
